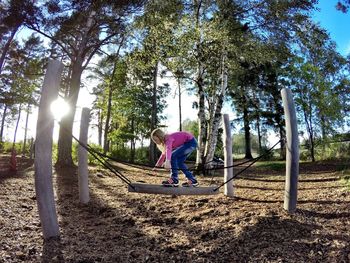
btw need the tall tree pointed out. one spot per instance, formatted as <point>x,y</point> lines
<point>79,29</point>
<point>14,14</point>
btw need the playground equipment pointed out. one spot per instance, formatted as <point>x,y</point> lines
<point>159,189</point>
<point>83,173</point>
<point>43,151</point>
<point>43,158</point>
<point>292,158</point>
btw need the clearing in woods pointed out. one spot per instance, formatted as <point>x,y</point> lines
<point>117,226</point>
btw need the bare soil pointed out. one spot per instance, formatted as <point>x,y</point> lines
<point>118,226</point>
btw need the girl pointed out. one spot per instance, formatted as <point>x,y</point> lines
<point>175,148</point>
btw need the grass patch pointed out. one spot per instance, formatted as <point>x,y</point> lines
<point>345,178</point>
<point>272,165</point>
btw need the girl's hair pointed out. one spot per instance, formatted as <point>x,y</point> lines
<point>161,136</point>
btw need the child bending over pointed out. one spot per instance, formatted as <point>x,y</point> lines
<point>175,148</point>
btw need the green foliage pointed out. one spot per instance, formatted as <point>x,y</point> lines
<point>272,165</point>
<point>327,151</point>
<point>239,143</point>
<point>267,156</point>
<point>91,159</point>
<point>333,151</point>
<point>345,175</point>
<point>142,155</point>
<point>74,152</point>
<point>7,147</point>
<point>190,126</point>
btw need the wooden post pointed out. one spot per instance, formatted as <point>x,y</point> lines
<point>43,151</point>
<point>292,147</point>
<point>227,140</point>
<point>83,173</point>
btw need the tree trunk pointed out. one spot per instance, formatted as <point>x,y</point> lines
<point>310,131</point>
<point>7,46</point>
<point>66,127</point>
<point>2,125</point>
<point>282,143</point>
<point>202,124</point>
<point>25,131</point>
<point>248,152</point>
<point>152,153</point>
<point>215,123</point>
<point>108,117</point>
<point>132,142</point>
<point>259,132</point>
<point>15,133</point>
<point>109,107</point>
<point>180,112</point>
<point>99,126</point>
<point>227,141</point>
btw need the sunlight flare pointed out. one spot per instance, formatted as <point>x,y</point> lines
<point>59,108</point>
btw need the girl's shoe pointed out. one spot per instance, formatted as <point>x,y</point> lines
<point>190,183</point>
<point>171,183</point>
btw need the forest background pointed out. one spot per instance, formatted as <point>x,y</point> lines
<point>130,55</point>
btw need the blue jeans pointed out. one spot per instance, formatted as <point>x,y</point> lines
<point>178,157</point>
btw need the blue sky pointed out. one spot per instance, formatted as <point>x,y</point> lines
<point>336,23</point>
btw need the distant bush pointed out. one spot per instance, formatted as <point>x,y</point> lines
<point>273,165</point>
<point>333,151</point>
<point>7,147</point>
<point>91,158</point>
<point>142,155</point>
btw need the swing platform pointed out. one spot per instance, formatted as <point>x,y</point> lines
<point>160,189</point>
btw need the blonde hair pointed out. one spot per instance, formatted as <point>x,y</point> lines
<point>161,136</point>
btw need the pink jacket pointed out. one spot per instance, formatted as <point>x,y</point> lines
<point>172,141</point>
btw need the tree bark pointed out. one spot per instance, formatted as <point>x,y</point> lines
<point>215,123</point>
<point>202,125</point>
<point>180,112</point>
<point>7,46</point>
<point>99,126</point>
<point>25,131</point>
<point>248,152</point>
<point>108,117</point>
<point>15,133</point>
<point>3,125</point>
<point>66,127</point>
<point>152,153</point>
<point>227,140</point>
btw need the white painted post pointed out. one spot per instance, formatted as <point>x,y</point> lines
<point>227,140</point>
<point>292,157</point>
<point>43,151</point>
<point>83,173</point>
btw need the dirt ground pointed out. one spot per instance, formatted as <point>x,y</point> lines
<point>118,226</point>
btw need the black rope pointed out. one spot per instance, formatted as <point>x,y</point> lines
<point>244,169</point>
<point>106,164</point>
<point>103,162</point>
<point>216,167</point>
